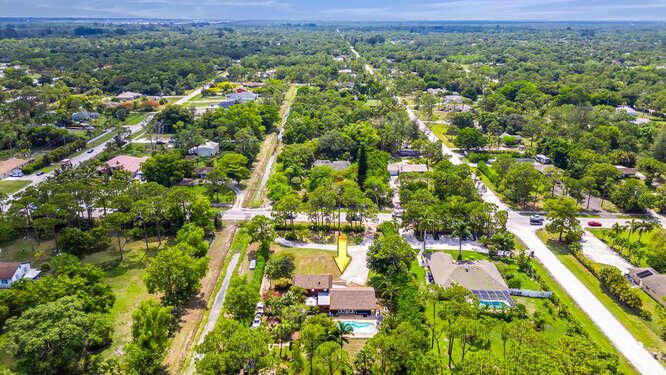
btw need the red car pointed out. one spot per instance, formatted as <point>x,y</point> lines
<point>593,223</point>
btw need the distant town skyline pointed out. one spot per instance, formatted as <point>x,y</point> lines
<point>346,10</point>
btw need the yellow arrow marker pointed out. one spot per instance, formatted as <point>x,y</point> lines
<point>342,259</point>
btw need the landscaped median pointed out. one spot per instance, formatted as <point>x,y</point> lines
<point>648,332</point>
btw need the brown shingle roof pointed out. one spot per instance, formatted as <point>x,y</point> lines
<point>8,269</point>
<point>360,298</point>
<point>313,281</point>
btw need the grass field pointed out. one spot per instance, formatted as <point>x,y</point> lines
<point>645,332</point>
<point>135,117</point>
<point>440,132</point>
<point>12,186</point>
<point>126,281</point>
<point>311,261</point>
<point>22,250</point>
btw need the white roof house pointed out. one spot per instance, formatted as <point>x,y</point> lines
<point>129,95</point>
<point>11,272</point>
<point>206,150</point>
<point>630,110</point>
<point>396,169</point>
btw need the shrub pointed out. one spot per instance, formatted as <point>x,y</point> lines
<point>619,287</point>
<point>513,283</point>
<point>477,157</point>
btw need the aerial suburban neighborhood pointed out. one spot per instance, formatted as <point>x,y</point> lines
<point>184,194</point>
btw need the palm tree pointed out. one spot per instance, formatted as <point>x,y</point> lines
<point>632,226</point>
<point>639,254</point>
<point>342,331</point>
<point>460,230</point>
<point>281,333</point>
<point>616,229</point>
<point>645,226</point>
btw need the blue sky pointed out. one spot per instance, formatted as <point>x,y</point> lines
<point>344,10</point>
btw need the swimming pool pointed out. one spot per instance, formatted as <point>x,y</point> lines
<point>497,305</point>
<point>362,328</point>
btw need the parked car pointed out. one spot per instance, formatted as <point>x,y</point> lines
<point>593,223</point>
<point>253,264</point>
<point>536,220</point>
<point>256,322</point>
<point>16,173</point>
<point>90,151</point>
<point>40,173</point>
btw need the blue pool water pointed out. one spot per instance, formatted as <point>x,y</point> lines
<point>361,327</point>
<point>498,305</point>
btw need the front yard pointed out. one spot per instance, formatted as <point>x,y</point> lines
<point>311,261</point>
<point>647,332</point>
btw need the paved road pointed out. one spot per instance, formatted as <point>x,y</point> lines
<point>634,351</point>
<point>189,96</point>
<point>607,322</point>
<point>84,155</point>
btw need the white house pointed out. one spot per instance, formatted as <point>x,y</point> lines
<point>630,111</point>
<point>11,272</point>
<point>129,95</point>
<point>205,150</point>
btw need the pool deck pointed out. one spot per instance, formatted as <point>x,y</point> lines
<point>356,320</point>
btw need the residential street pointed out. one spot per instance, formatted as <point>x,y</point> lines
<point>609,325</point>
<point>519,226</point>
<point>83,155</point>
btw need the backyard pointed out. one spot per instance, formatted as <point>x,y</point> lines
<point>554,325</point>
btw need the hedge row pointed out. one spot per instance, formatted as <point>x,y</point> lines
<point>54,156</point>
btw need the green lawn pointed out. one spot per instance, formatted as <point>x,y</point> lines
<point>311,261</point>
<point>126,281</point>
<point>135,117</point>
<point>12,186</point>
<point>22,250</point>
<point>418,272</point>
<point>645,332</point>
<point>555,326</point>
<point>440,132</point>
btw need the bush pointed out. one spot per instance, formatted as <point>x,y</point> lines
<point>619,287</point>
<point>280,266</point>
<point>78,242</point>
<point>513,283</point>
<point>477,157</point>
<point>489,172</point>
